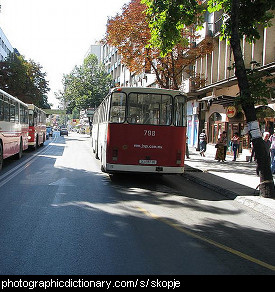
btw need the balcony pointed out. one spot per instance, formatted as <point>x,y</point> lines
<point>217,26</point>
<point>206,31</point>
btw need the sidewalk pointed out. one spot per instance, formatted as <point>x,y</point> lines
<point>235,179</point>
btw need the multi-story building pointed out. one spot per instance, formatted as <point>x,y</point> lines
<point>120,73</point>
<point>95,50</point>
<point>5,46</point>
<point>212,106</point>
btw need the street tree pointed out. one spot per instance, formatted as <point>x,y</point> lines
<point>25,80</point>
<point>85,86</point>
<point>129,32</point>
<point>241,18</point>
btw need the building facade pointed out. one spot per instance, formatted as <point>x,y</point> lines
<point>95,50</point>
<point>121,75</point>
<point>212,107</point>
<point>5,46</point>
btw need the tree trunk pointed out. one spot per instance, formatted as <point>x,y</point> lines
<point>266,186</point>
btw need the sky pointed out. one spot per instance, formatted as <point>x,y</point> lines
<point>56,33</point>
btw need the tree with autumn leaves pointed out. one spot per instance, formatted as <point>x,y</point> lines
<point>129,32</point>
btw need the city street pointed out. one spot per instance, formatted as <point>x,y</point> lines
<point>60,214</point>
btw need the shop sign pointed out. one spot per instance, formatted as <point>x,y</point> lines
<point>231,111</point>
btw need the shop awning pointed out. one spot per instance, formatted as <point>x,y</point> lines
<point>224,100</point>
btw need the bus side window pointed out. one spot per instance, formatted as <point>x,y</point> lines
<point>6,111</point>
<point>16,112</point>
<point>12,112</point>
<point>35,117</point>
<point>118,107</point>
<point>26,116</point>
<point>21,111</point>
<point>23,115</point>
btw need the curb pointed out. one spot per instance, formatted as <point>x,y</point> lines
<point>265,206</point>
<point>222,191</point>
<point>262,205</point>
<point>259,204</point>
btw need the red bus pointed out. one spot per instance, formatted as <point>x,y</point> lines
<point>14,126</point>
<point>140,130</point>
<point>37,126</point>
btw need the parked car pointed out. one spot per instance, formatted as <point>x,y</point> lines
<point>64,131</point>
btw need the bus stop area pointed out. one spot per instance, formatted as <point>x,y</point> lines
<point>237,180</point>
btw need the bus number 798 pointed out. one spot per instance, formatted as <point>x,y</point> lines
<point>149,133</point>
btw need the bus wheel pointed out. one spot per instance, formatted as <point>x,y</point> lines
<point>1,156</point>
<point>19,154</point>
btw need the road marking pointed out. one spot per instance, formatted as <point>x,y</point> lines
<point>61,183</point>
<point>212,242</point>
<point>23,165</point>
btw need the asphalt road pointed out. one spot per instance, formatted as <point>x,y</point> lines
<point>60,214</point>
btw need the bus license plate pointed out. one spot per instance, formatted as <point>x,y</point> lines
<point>148,162</point>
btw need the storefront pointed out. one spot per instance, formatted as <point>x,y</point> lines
<point>266,117</point>
<point>223,115</point>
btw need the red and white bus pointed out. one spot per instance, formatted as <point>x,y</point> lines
<point>37,126</point>
<point>14,126</point>
<point>140,130</point>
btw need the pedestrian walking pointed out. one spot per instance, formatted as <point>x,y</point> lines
<point>235,141</point>
<point>203,142</point>
<point>221,147</point>
<point>224,134</point>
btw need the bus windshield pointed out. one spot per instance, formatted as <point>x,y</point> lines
<point>152,109</point>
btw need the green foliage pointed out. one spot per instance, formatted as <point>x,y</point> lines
<point>167,19</point>
<point>25,80</point>
<point>86,85</point>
